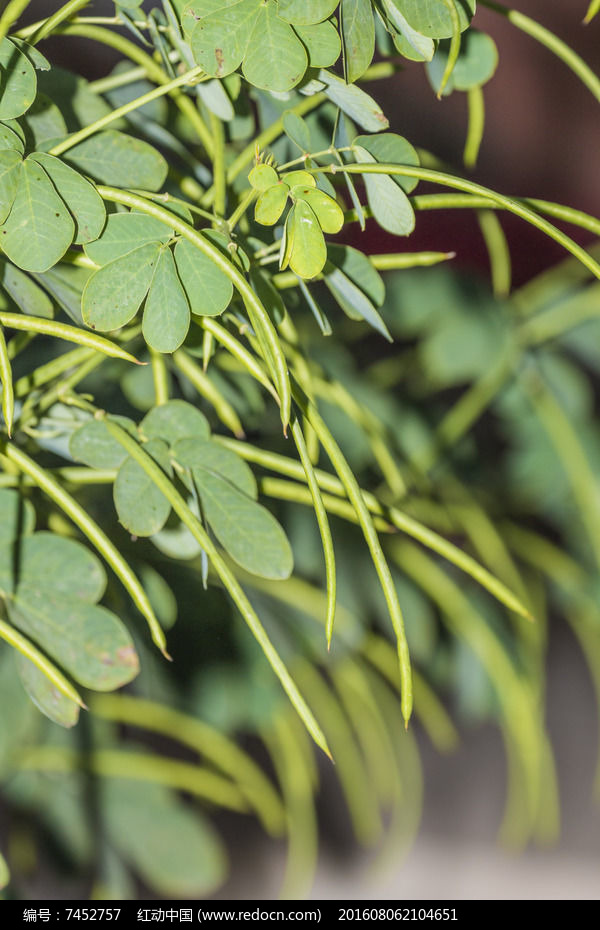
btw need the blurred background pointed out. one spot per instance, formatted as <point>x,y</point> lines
<point>542,139</point>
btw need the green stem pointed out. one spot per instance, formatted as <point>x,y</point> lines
<point>469,187</point>
<point>562,433</point>
<point>11,15</point>
<point>386,262</point>
<point>356,498</point>
<point>324,528</point>
<point>454,50</point>
<point>276,358</point>
<point>160,377</point>
<point>44,480</point>
<point>46,28</point>
<point>225,574</point>
<point>219,749</point>
<point>469,201</point>
<point>286,466</point>
<point>141,766</point>
<point>153,71</point>
<point>498,252</point>
<point>551,42</point>
<point>238,351</point>
<point>218,159</point>
<point>47,668</point>
<point>35,324</point>
<point>45,373</point>
<point>8,393</point>
<point>97,125</point>
<point>296,493</point>
<point>205,387</point>
<point>241,208</point>
<point>476,126</point>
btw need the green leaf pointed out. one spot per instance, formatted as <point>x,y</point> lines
<point>26,294</point>
<point>475,65</point>
<point>173,421</point>
<point>39,229</point>
<point>33,54</point>
<point>112,157</point>
<point>53,602</point>
<point>299,177</point>
<point>287,240</point>
<point>271,204</point>
<point>360,270</point>
<point>167,843</point>
<point>10,170</point>
<point>358,31</point>
<point>219,40</point>
<point>123,233</point>
<point>45,695</point>
<point>208,289</point>
<point>4,873</point>
<point>81,198</point>
<point>66,284</point>
<point>432,17</point>
<point>358,105</point>
<point>93,445</point>
<point>275,59</point>
<point>166,317</point>
<point>389,204</point>
<point>301,13</point>
<point>354,302</point>
<point>329,213</point>
<point>160,595</point>
<point>309,252</point>
<point>78,104</point>
<point>10,140</point>
<point>408,41</point>
<point>216,99</point>
<point>114,293</point>
<point>18,82</point>
<point>43,123</point>
<point>268,294</point>
<point>322,42</point>
<point>208,455</point>
<point>195,10</point>
<point>141,506</point>
<point>390,148</point>
<point>249,533</point>
<point>297,130</point>
<point>17,516</point>
<point>262,177</point>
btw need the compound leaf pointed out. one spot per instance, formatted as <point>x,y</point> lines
<point>114,293</point>
<point>124,232</point>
